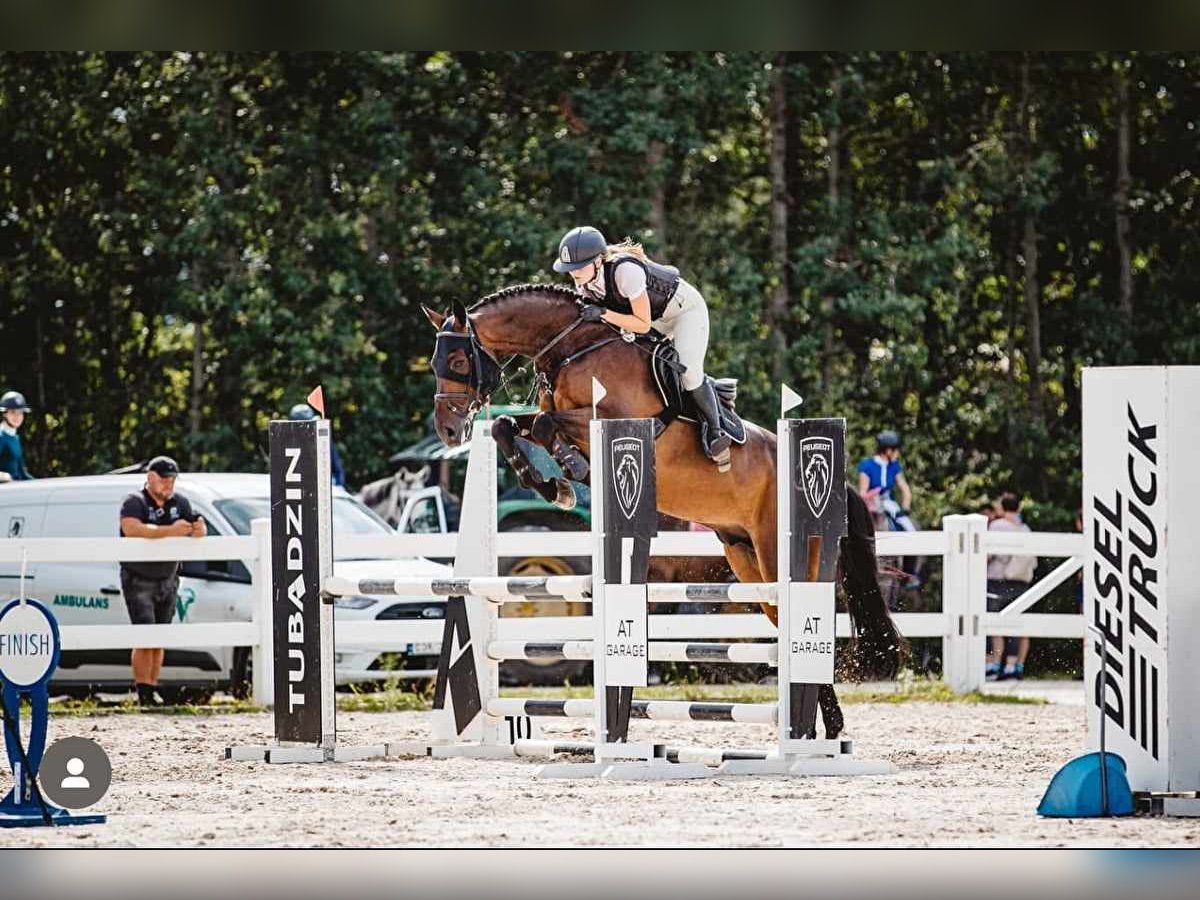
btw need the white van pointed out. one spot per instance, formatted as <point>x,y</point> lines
<point>218,591</point>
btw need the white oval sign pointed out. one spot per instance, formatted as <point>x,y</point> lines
<point>26,643</point>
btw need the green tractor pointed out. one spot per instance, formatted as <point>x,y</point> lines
<point>422,497</point>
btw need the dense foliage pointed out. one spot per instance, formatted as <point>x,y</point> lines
<point>932,242</point>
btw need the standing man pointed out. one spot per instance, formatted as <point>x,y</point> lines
<point>12,416</point>
<point>155,511</point>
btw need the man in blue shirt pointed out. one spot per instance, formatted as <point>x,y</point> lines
<point>12,459</point>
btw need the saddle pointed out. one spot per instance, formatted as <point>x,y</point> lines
<point>677,403</point>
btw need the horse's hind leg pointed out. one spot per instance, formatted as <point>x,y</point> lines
<point>746,562</point>
<point>739,552</point>
<point>831,711</point>
<point>766,546</point>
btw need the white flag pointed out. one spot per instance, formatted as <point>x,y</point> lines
<point>790,401</point>
<point>598,394</point>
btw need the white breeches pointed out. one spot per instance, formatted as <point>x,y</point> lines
<point>685,320</point>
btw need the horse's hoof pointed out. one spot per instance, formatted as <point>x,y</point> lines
<point>566,495</point>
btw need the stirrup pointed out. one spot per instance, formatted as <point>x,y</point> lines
<point>722,458</point>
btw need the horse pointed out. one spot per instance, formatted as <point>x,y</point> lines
<point>543,324</point>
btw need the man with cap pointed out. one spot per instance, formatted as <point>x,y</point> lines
<point>155,511</point>
<point>12,458</point>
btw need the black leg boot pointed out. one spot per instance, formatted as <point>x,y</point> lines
<point>145,694</point>
<point>715,441</point>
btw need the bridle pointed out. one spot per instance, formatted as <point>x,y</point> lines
<point>485,373</point>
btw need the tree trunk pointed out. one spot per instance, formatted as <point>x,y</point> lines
<point>1029,249</point>
<point>658,196</point>
<point>834,136</point>
<point>196,420</point>
<point>43,444</point>
<point>1121,196</point>
<point>780,300</point>
<point>1010,297</point>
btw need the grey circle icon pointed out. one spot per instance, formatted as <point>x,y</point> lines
<point>75,773</point>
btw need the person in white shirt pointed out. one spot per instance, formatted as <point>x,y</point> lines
<point>635,293</point>
<point>1007,578</point>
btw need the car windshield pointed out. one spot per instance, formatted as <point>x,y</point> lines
<point>349,516</point>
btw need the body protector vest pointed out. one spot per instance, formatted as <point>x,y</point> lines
<point>661,284</point>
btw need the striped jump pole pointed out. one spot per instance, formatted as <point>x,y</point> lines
<point>660,710</point>
<point>712,757</point>
<point>500,589</point>
<point>658,651</point>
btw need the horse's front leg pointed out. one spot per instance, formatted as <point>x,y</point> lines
<point>558,491</point>
<point>570,458</point>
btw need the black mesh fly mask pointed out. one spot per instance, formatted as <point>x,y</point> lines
<point>462,359</point>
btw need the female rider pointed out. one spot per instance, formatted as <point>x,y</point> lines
<point>637,294</point>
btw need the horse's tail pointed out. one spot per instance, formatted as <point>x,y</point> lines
<point>877,649</point>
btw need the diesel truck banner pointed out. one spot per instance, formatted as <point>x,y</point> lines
<point>1140,499</point>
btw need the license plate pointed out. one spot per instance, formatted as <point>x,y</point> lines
<point>424,648</point>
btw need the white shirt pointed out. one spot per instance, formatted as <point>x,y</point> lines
<point>631,282</point>
<point>1002,567</point>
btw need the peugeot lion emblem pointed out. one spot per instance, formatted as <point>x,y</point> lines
<point>627,463</point>
<point>815,472</point>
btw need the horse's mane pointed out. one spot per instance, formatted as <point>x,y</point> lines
<point>546,291</point>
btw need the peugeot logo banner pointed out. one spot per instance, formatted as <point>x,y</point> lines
<point>631,500</point>
<point>819,481</point>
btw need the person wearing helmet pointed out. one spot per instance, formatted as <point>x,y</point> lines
<point>881,478</point>
<point>12,416</point>
<point>302,412</point>
<point>634,293</point>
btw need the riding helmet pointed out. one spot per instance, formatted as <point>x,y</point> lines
<point>579,247</point>
<point>13,400</point>
<point>887,440</point>
<point>302,412</point>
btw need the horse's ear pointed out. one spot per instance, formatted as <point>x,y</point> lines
<point>435,318</point>
<point>460,313</point>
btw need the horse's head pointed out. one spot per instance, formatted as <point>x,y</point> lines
<point>466,371</point>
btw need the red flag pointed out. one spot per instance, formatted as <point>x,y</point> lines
<point>317,401</point>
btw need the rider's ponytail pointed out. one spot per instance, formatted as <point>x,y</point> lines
<point>627,247</point>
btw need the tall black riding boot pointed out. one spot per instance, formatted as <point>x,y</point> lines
<point>714,440</point>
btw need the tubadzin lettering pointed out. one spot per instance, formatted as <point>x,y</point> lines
<point>297,592</point>
<point>1126,576</point>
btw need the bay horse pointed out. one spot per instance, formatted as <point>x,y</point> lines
<point>542,323</point>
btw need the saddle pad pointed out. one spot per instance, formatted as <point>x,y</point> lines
<point>664,362</point>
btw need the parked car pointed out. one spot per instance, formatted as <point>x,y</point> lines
<point>422,495</point>
<point>88,593</point>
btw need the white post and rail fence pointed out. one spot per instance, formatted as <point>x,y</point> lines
<point>963,623</point>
